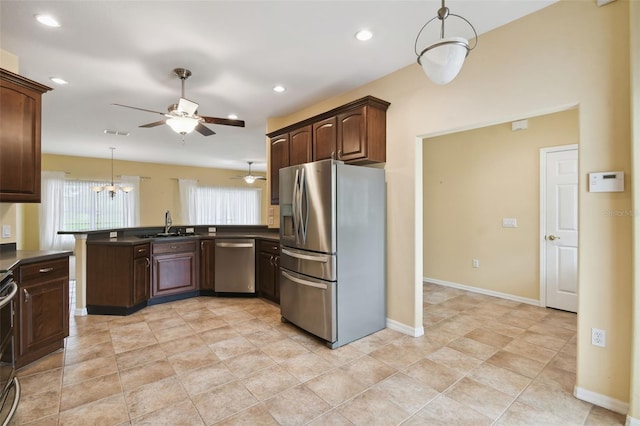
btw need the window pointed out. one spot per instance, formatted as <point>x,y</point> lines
<point>72,205</point>
<point>85,209</point>
<point>207,205</point>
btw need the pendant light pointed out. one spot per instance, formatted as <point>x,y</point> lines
<point>112,188</point>
<point>442,59</point>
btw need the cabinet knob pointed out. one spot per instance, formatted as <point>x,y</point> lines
<point>27,296</point>
<point>333,155</point>
<point>148,262</point>
<point>339,154</point>
<point>46,270</point>
<point>174,247</point>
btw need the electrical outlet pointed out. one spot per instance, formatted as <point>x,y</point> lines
<point>113,234</point>
<point>189,230</point>
<point>475,263</point>
<point>270,220</point>
<point>598,337</point>
<point>212,230</point>
<point>509,222</point>
<point>6,231</point>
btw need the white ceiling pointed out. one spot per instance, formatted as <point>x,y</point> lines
<point>125,51</point>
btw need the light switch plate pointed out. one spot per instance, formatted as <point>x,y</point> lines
<point>6,231</point>
<point>509,222</point>
<point>189,230</point>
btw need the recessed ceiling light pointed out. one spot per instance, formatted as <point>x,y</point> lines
<point>278,88</point>
<point>232,117</point>
<point>364,35</point>
<point>58,80</point>
<point>48,20</point>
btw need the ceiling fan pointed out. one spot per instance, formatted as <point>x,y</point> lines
<point>182,117</point>
<point>250,178</point>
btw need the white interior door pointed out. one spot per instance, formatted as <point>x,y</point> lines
<point>559,252</point>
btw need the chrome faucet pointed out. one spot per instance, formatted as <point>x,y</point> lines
<point>167,221</point>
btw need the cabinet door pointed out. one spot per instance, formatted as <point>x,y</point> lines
<point>276,278</point>
<point>43,309</point>
<point>19,144</point>
<point>300,146</point>
<point>207,264</point>
<point>173,273</point>
<point>279,154</point>
<point>266,285</point>
<point>324,139</point>
<point>352,137</point>
<point>141,279</point>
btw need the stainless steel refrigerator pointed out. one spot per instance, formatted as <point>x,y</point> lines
<point>332,237</point>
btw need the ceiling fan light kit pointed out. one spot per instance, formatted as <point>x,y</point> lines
<point>442,59</point>
<point>112,188</point>
<point>250,177</point>
<point>182,117</point>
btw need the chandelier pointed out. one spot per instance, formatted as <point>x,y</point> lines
<point>112,188</point>
<point>442,59</point>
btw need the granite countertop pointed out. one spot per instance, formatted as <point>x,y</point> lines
<point>132,239</point>
<point>11,259</point>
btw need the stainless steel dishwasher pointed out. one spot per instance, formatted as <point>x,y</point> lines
<point>235,266</point>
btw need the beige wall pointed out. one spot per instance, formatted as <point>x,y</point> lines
<point>536,65</point>
<point>634,410</point>
<point>158,187</point>
<point>473,179</point>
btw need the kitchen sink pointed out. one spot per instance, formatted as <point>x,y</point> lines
<point>168,235</point>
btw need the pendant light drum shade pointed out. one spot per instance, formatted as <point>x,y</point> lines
<point>442,60</point>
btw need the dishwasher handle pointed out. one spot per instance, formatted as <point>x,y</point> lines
<point>235,245</point>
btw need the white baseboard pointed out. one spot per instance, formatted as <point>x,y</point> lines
<point>403,328</point>
<point>80,312</point>
<point>603,401</point>
<point>507,296</point>
<point>632,422</point>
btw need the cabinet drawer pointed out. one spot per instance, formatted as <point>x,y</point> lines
<point>269,246</point>
<point>141,250</point>
<point>174,247</point>
<point>44,270</point>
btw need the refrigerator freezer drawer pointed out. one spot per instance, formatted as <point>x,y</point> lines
<point>309,303</point>
<point>319,265</point>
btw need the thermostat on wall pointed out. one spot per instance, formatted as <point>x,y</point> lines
<point>606,182</point>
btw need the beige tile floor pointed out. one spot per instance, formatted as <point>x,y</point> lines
<point>227,361</point>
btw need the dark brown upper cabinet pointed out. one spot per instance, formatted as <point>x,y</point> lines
<point>20,109</point>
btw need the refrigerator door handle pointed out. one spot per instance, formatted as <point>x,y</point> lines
<point>304,215</point>
<point>304,282</point>
<point>321,258</point>
<point>294,203</point>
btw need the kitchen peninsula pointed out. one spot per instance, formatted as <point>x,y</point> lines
<point>119,271</point>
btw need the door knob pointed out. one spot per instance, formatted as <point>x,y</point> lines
<point>552,237</point>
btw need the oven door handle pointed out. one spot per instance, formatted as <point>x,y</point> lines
<point>5,300</point>
<point>14,405</point>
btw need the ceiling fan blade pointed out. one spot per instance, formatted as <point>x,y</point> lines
<point>157,123</point>
<point>140,109</point>
<point>204,130</point>
<point>187,106</point>
<point>223,121</point>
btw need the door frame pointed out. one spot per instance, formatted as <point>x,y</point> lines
<point>543,210</point>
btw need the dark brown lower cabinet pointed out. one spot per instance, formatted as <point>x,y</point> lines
<point>174,268</point>
<point>118,277</point>
<point>268,270</point>
<point>207,264</point>
<point>42,309</point>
